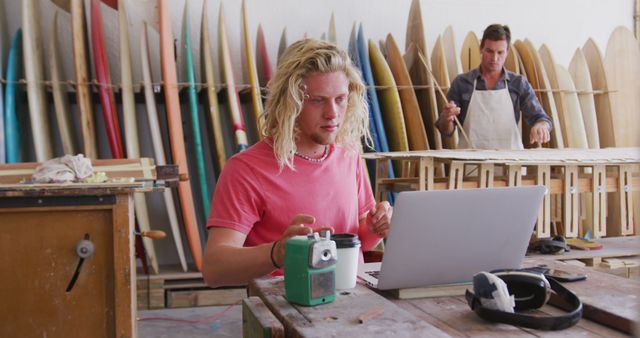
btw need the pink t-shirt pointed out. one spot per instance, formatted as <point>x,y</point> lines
<point>254,197</point>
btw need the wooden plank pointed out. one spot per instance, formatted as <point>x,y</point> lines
<point>341,316</point>
<point>579,71</point>
<point>204,297</point>
<point>258,321</point>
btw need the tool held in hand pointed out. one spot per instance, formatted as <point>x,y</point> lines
<point>444,97</point>
<point>309,269</point>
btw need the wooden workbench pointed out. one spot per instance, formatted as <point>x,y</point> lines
<point>610,310</point>
<point>39,231</point>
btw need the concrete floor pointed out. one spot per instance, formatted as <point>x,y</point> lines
<point>210,321</point>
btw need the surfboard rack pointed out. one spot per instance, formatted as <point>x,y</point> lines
<point>587,189</point>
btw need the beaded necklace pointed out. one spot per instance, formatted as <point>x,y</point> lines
<point>315,160</point>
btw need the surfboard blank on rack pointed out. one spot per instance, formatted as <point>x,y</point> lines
<point>131,130</point>
<point>470,52</point>
<point>203,183</point>
<point>206,60</point>
<point>415,43</point>
<point>103,77</point>
<point>282,45</point>
<point>451,56</point>
<point>252,75</point>
<point>601,93</point>
<point>262,59</point>
<point>331,33</point>
<point>416,134</point>
<point>622,67</point>
<point>579,71</point>
<point>549,65</point>
<point>60,90</point>
<point>13,129</point>
<point>390,106</point>
<point>576,136</point>
<point>156,140</point>
<point>32,52</point>
<point>539,81</point>
<point>231,90</point>
<point>441,77</point>
<point>83,92</point>
<point>174,117</point>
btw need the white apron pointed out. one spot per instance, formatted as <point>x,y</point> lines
<point>490,122</point>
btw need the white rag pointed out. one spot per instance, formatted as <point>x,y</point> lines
<point>68,168</point>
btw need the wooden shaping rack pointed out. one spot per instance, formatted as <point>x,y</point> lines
<point>591,188</point>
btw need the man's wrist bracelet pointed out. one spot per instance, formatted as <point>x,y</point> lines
<point>273,261</point>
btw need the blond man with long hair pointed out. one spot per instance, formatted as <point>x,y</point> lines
<point>305,175</point>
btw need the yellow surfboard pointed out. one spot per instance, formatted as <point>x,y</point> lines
<point>390,105</point>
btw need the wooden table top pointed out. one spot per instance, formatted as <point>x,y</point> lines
<point>606,299</point>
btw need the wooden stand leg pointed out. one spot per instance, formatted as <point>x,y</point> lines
<point>571,215</point>
<point>599,205</point>
<point>514,173</point>
<point>486,175</point>
<point>456,174</point>
<point>426,172</point>
<point>543,226</point>
<point>626,200</point>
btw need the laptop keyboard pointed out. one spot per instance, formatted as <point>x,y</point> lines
<point>373,274</point>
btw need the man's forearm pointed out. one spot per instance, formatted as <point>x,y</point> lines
<point>230,265</point>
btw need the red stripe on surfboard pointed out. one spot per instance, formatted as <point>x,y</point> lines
<point>104,81</point>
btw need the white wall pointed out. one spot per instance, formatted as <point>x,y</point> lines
<point>563,25</point>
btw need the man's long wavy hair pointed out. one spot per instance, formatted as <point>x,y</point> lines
<point>286,93</point>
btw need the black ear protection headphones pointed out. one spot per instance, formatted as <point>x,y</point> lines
<point>497,295</point>
<point>556,245</point>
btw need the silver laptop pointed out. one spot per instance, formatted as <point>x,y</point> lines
<point>446,236</point>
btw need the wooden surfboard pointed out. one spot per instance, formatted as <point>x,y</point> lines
<point>60,91</point>
<point>441,78</point>
<point>103,77</point>
<point>156,139</point>
<point>415,43</point>
<point>512,63</point>
<point>601,93</point>
<point>206,60</point>
<point>579,71</point>
<point>83,91</point>
<point>355,58</point>
<point>252,75</point>
<point>13,129</point>
<point>34,73</point>
<point>389,99</point>
<point>416,134</point>
<point>131,130</point>
<point>622,68</point>
<point>262,59</point>
<point>451,55</point>
<point>576,134</point>
<point>470,52</point>
<point>282,45</point>
<point>174,117</point>
<point>203,183</point>
<point>549,65</point>
<point>228,79</point>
